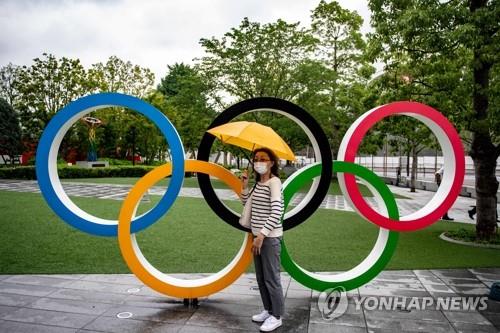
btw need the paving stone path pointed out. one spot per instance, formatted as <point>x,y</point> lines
<point>121,303</point>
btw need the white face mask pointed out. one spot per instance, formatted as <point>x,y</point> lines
<point>260,167</point>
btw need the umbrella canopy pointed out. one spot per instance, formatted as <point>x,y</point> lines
<point>252,135</point>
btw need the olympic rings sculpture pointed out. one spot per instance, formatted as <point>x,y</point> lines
<point>388,219</point>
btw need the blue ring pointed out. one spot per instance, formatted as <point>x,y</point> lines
<point>82,106</point>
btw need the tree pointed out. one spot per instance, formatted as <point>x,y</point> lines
<point>344,68</point>
<point>44,88</point>
<point>172,84</point>
<point>117,75</point>
<point>406,135</point>
<point>322,69</point>
<point>8,77</point>
<point>452,49</point>
<point>186,101</point>
<point>50,83</point>
<point>411,137</point>
<point>255,60</point>
<point>341,44</point>
<point>10,131</point>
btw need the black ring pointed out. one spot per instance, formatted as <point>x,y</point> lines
<point>287,108</point>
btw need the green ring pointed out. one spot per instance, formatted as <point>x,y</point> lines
<point>351,282</point>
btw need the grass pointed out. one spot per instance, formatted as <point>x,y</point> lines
<point>191,238</point>
<point>334,188</point>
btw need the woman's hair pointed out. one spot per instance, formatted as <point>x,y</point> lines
<point>272,157</point>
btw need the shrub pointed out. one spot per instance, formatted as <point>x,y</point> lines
<point>466,235</point>
<point>68,172</point>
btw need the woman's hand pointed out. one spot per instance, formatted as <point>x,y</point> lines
<point>257,244</point>
<point>244,179</point>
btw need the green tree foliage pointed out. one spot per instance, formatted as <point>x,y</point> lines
<point>10,131</point>
<point>158,147</point>
<point>321,69</point>
<point>186,101</point>
<point>173,83</point>
<point>124,129</point>
<point>343,67</point>
<point>8,76</point>
<point>406,136</point>
<point>121,76</point>
<point>341,44</point>
<point>448,52</point>
<point>44,88</point>
<point>50,83</point>
<point>255,60</point>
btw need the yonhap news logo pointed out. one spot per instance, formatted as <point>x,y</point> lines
<point>398,303</point>
<point>333,303</point>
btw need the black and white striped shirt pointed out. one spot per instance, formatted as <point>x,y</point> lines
<point>267,207</point>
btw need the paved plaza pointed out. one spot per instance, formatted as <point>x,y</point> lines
<point>121,303</point>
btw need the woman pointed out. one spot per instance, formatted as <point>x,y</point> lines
<point>266,212</point>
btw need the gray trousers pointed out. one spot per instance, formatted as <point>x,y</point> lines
<point>267,270</point>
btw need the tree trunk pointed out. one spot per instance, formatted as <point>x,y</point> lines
<point>133,146</point>
<point>483,151</point>
<point>217,157</point>
<point>486,186</point>
<point>435,160</point>
<point>414,166</point>
<point>408,163</point>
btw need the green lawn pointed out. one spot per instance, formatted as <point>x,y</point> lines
<point>193,182</point>
<point>190,238</point>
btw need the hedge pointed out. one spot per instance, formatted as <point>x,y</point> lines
<point>28,172</point>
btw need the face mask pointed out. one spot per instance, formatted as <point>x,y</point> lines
<point>260,167</point>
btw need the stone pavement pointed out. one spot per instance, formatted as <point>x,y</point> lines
<point>121,303</point>
<point>415,200</point>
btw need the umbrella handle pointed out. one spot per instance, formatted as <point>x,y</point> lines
<point>248,158</point>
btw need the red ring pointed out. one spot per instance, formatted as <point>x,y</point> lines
<point>407,108</point>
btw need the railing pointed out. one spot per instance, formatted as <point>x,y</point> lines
<point>426,166</point>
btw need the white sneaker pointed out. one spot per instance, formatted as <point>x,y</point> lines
<point>271,324</point>
<point>261,316</point>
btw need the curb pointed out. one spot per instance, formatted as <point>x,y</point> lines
<point>451,240</point>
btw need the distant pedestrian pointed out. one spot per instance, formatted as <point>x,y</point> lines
<point>439,176</point>
<point>473,212</point>
<point>398,175</point>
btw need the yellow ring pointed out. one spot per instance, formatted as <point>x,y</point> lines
<point>152,277</point>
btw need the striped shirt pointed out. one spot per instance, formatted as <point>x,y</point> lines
<point>267,207</point>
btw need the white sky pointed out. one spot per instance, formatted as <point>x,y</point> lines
<point>150,33</point>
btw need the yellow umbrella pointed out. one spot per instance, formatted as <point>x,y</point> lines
<point>252,135</point>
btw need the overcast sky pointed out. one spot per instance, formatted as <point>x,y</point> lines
<point>150,33</point>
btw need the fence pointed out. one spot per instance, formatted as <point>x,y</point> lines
<point>426,165</point>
